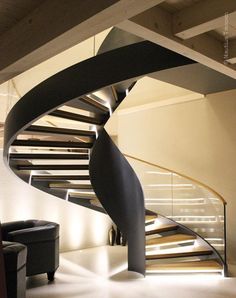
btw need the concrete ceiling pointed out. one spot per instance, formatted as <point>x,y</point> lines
<point>32,31</point>
<point>13,11</point>
<point>30,36</point>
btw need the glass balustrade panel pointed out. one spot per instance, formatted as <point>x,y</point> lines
<point>184,200</point>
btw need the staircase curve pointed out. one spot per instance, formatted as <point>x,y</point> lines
<point>75,159</point>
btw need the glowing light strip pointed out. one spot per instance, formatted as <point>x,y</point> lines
<point>193,216</point>
<point>174,204</point>
<point>185,271</point>
<point>182,199</point>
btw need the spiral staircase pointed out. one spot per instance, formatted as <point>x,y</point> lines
<point>78,162</point>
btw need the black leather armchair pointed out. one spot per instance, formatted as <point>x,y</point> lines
<point>15,268</point>
<point>42,241</point>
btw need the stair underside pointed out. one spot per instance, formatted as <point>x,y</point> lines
<point>192,266</point>
<point>88,100</point>
<point>53,167</point>
<point>176,238</point>
<point>78,117</point>
<point>38,129</point>
<point>48,156</point>
<point>51,144</point>
<point>70,186</point>
<point>59,177</point>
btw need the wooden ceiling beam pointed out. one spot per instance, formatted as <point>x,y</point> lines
<point>232,52</point>
<point>202,17</point>
<point>55,26</point>
<point>155,25</point>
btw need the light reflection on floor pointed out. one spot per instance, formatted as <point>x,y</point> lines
<point>101,273</point>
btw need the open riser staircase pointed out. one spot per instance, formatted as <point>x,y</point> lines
<point>55,141</point>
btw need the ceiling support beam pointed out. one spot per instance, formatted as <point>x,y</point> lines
<point>55,26</point>
<point>232,52</point>
<point>202,17</point>
<point>155,25</point>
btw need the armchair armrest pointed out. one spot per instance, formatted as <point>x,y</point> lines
<point>11,226</point>
<point>35,234</point>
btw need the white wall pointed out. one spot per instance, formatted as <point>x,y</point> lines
<point>196,138</point>
<point>80,227</point>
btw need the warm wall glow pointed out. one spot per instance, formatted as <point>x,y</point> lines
<point>80,227</point>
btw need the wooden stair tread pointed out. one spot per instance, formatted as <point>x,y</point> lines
<point>70,186</point>
<point>59,131</point>
<point>59,177</point>
<point>160,228</point>
<point>186,252</point>
<point>204,265</point>
<point>176,238</point>
<point>150,217</point>
<point>40,143</point>
<point>78,117</point>
<point>80,195</point>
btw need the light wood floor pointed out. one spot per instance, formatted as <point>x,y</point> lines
<point>101,273</point>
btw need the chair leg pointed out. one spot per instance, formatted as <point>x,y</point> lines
<point>51,275</point>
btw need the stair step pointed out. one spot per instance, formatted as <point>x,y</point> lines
<point>98,99</point>
<point>59,177</point>
<point>172,239</point>
<point>114,93</point>
<point>178,253</point>
<point>88,203</point>
<point>70,186</point>
<point>60,131</point>
<point>28,156</point>
<point>94,104</point>
<point>81,118</point>
<point>53,167</point>
<point>192,266</point>
<point>39,143</point>
<point>80,195</point>
<point>156,229</point>
<point>150,218</point>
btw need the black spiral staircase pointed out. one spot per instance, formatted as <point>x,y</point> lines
<point>83,166</point>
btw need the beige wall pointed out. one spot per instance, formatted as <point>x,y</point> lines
<point>80,227</point>
<point>197,138</point>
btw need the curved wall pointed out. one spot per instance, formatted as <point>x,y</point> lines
<point>80,227</point>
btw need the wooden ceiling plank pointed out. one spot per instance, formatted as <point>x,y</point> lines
<point>202,17</point>
<point>155,25</point>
